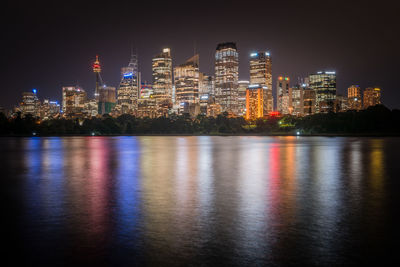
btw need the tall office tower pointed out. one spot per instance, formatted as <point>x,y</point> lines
<point>97,71</point>
<point>128,90</point>
<point>324,84</point>
<point>261,73</point>
<point>162,76</point>
<point>354,97</point>
<point>297,107</point>
<point>226,76</point>
<point>283,94</point>
<point>73,101</point>
<point>341,104</point>
<point>254,102</point>
<point>186,78</point>
<point>309,98</point>
<point>372,97</point>
<point>107,100</point>
<point>242,88</point>
<point>30,104</point>
<point>49,109</point>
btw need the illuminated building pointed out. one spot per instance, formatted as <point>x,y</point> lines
<point>354,97</point>
<point>324,84</point>
<point>49,109</point>
<point>341,104</point>
<point>146,108</point>
<point>204,101</point>
<point>107,99</point>
<point>283,94</point>
<point>309,99</point>
<point>146,90</point>
<point>226,76</point>
<point>97,71</point>
<point>206,84</point>
<point>128,91</point>
<point>213,110</point>
<point>243,85</point>
<point>162,77</point>
<point>372,97</point>
<point>297,107</point>
<point>186,78</point>
<point>91,108</point>
<point>261,73</point>
<point>30,104</point>
<point>73,101</point>
<point>254,101</point>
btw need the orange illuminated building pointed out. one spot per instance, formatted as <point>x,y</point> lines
<point>254,102</point>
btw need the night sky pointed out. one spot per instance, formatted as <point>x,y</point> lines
<point>50,45</point>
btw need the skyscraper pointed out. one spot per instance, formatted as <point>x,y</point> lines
<point>309,101</point>
<point>254,102</point>
<point>128,90</point>
<point>162,76</point>
<point>261,73</point>
<point>354,100</point>
<point>372,97</point>
<point>284,94</point>
<point>324,84</point>
<point>226,76</point>
<point>186,78</point>
<point>243,85</point>
<point>297,107</point>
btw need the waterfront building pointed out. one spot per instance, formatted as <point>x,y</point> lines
<point>254,101</point>
<point>107,100</point>
<point>214,109</point>
<point>91,108</point>
<point>73,101</point>
<point>204,100</point>
<point>243,85</point>
<point>162,77</point>
<point>284,94</point>
<point>49,109</point>
<point>30,104</point>
<point>354,97</point>
<point>147,108</point>
<point>372,97</point>
<point>261,73</point>
<point>226,76</point>
<point>341,104</point>
<point>297,107</point>
<point>324,84</point>
<point>186,78</point>
<point>128,91</point>
<point>309,100</point>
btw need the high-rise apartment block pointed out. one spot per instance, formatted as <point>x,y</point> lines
<point>284,94</point>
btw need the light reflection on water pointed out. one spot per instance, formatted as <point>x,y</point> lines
<point>191,200</point>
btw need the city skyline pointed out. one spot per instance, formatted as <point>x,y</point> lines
<point>57,53</point>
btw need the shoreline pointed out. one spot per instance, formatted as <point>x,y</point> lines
<point>218,134</point>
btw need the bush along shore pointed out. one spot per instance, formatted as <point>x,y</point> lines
<point>374,121</point>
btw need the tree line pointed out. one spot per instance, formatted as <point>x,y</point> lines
<point>374,120</point>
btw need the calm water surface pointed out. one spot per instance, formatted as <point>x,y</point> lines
<point>200,200</point>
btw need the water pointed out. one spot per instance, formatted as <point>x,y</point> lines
<point>199,200</point>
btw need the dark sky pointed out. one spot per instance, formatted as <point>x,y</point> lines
<point>50,45</point>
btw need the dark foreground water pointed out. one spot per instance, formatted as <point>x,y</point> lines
<point>199,200</point>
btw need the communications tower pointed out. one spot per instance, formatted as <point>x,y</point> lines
<point>97,70</point>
